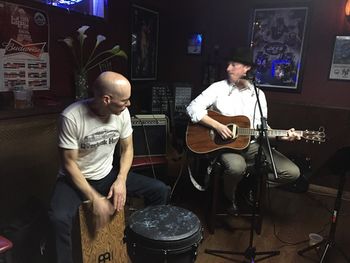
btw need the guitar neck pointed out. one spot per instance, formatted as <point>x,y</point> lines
<point>272,133</point>
<point>200,139</point>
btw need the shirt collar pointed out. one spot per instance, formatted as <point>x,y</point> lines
<point>233,86</point>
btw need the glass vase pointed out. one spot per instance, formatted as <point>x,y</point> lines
<point>81,85</point>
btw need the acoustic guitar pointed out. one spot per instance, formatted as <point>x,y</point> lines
<point>201,139</point>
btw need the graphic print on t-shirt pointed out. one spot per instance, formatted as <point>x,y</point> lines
<point>99,138</point>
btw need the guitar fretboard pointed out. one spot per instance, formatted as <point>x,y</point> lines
<point>274,133</point>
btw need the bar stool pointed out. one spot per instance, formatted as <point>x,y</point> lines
<point>215,192</point>
<point>5,250</point>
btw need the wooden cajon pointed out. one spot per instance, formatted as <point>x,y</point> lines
<point>105,245</point>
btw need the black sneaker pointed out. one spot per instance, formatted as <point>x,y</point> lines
<point>233,209</point>
<point>249,198</point>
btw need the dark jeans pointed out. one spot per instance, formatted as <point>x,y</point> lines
<point>66,200</point>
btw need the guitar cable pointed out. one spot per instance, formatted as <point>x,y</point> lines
<point>148,148</point>
<point>178,177</point>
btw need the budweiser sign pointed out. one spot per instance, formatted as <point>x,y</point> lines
<point>14,47</point>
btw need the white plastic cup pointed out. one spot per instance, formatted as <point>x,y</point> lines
<point>22,98</point>
<point>314,239</point>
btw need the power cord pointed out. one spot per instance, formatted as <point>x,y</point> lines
<point>288,243</point>
<point>177,179</point>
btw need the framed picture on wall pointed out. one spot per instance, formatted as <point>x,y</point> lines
<point>194,44</point>
<point>340,65</point>
<point>277,40</point>
<point>144,43</point>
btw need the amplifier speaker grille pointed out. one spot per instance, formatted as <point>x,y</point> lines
<point>150,135</point>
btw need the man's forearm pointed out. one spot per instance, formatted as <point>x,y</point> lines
<point>79,181</point>
<point>125,163</point>
<point>210,122</point>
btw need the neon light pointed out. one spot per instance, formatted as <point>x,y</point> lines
<point>63,2</point>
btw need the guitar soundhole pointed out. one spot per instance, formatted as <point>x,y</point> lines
<point>220,141</point>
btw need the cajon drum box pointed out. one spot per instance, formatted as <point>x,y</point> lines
<point>105,245</point>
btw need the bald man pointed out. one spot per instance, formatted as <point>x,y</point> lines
<point>88,133</point>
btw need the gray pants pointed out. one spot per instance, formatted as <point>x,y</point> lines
<point>235,165</point>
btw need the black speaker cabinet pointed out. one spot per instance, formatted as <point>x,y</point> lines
<point>150,135</point>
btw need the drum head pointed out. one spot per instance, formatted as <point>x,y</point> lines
<point>163,233</point>
<point>164,223</point>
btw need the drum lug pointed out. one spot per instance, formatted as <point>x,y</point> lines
<point>165,253</point>
<point>133,249</point>
<point>194,248</point>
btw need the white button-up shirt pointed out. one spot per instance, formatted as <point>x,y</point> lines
<point>228,100</point>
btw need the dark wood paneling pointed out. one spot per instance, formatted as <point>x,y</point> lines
<point>335,120</point>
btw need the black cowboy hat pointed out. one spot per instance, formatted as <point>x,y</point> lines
<point>242,55</point>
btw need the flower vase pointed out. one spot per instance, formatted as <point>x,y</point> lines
<point>81,85</point>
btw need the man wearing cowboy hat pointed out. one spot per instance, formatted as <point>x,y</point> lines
<point>236,96</point>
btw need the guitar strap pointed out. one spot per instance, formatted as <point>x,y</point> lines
<point>207,174</point>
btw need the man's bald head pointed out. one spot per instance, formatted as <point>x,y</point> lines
<point>112,92</point>
<point>110,83</point>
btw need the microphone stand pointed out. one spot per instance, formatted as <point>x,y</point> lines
<point>250,253</point>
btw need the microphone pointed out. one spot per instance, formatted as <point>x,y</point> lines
<point>250,75</point>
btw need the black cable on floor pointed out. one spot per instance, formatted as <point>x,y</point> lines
<point>288,243</point>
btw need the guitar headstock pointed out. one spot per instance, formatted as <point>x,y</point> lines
<point>315,136</point>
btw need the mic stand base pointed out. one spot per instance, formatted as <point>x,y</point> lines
<point>250,253</point>
<point>329,244</point>
<point>330,241</point>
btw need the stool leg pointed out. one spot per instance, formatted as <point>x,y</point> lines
<point>214,198</point>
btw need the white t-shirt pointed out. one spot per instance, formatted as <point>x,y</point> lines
<point>228,100</point>
<point>94,138</point>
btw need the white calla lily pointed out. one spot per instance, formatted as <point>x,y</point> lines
<point>116,47</point>
<point>83,29</point>
<point>99,39</point>
<point>68,41</point>
<point>85,63</point>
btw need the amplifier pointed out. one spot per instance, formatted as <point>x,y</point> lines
<point>150,135</point>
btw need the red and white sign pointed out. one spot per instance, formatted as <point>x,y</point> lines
<point>24,56</point>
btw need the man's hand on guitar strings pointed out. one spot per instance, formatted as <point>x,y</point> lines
<point>224,131</point>
<point>292,135</point>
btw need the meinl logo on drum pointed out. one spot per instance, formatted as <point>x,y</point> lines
<point>105,257</point>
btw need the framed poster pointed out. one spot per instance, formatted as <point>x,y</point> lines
<point>340,65</point>
<point>144,43</point>
<point>194,44</point>
<point>278,40</point>
<point>24,51</point>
